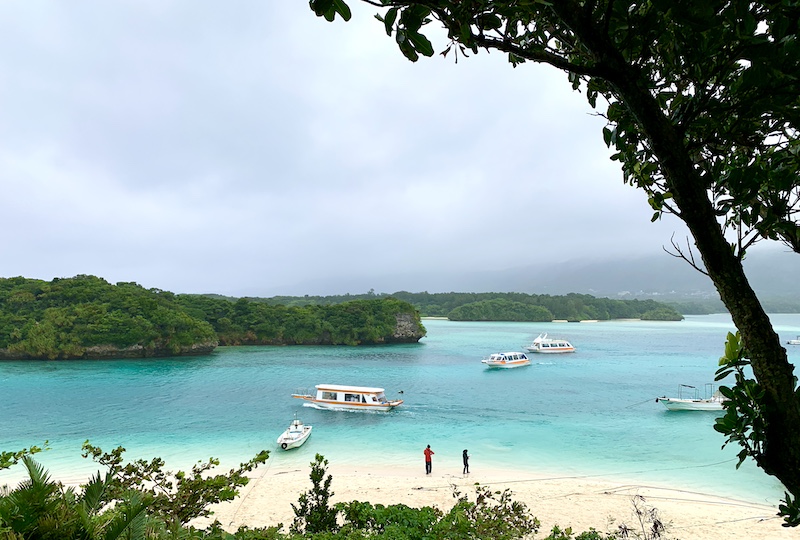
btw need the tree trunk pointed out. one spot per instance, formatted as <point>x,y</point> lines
<point>769,361</point>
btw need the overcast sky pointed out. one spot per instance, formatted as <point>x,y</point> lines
<point>252,148</point>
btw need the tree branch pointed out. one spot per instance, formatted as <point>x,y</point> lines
<point>679,254</point>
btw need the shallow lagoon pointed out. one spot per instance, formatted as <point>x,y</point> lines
<point>592,413</point>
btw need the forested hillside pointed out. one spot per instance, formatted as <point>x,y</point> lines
<point>87,317</point>
<point>249,322</point>
<point>506,306</point>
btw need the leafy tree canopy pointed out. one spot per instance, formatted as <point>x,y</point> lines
<point>85,316</point>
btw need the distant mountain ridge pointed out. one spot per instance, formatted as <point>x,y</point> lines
<point>774,274</point>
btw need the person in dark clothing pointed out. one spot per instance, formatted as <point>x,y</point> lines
<point>466,462</point>
<point>428,464</point>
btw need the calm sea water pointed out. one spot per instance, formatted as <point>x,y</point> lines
<point>592,413</point>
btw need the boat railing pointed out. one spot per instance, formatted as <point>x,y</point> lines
<point>687,391</point>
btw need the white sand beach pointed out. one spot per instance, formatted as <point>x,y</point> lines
<point>564,501</point>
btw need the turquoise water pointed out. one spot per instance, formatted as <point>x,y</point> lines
<point>592,413</point>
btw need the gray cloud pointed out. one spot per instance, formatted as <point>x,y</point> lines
<point>242,148</point>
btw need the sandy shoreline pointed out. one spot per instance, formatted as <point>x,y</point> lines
<point>567,502</point>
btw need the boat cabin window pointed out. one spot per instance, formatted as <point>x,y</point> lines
<point>329,395</point>
<point>356,398</point>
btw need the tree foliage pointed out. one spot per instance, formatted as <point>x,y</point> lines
<point>313,513</point>
<point>573,306</point>
<point>500,310</point>
<point>176,498</point>
<point>702,102</point>
<point>247,321</point>
<point>86,316</point>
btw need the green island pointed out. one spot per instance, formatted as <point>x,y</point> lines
<point>87,317</point>
<point>508,306</point>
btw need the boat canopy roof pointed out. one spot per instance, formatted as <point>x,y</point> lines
<point>341,388</point>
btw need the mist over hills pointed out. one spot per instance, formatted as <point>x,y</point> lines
<point>774,274</point>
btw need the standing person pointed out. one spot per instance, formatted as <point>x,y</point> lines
<point>466,462</point>
<point>428,464</point>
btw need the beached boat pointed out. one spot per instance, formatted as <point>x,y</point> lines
<point>506,360</point>
<point>358,398</point>
<point>295,435</point>
<point>794,341</point>
<point>544,344</point>
<point>689,399</point>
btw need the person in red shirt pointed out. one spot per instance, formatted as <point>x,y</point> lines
<point>428,464</point>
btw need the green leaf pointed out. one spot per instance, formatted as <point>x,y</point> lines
<point>320,7</point>
<point>388,21</point>
<point>405,46</point>
<point>421,43</point>
<point>343,9</point>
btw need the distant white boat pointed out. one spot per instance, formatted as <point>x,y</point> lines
<point>295,435</point>
<point>506,360</point>
<point>544,344</point>
<point>689,399</point>
<point>356,398</point>
<point>794,341</point>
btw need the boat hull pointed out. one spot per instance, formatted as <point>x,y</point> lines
<point>347,406</point>
<point>506,365</point>
<point>677,404</point>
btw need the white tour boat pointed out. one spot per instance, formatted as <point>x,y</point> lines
<point>794,341</point>
<point>689,399</point>
<point>358,398</point>
<point>544,344</point>
<point>295,435</point>
<point>506,360</point>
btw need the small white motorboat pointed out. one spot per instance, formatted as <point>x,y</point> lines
<point>295,435</point>
<point>506,360</point>
<point>794,341</point>
<point>689,399</point>
<point>544,344</point>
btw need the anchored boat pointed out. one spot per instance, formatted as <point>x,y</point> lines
<point>689,399</point>
<point>295,435</point>
<point>544,344</point>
